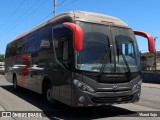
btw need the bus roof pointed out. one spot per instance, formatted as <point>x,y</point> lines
<point>99,18</point>
<point>81,16</point>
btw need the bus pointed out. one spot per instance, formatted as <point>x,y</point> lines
<point>78,58</point>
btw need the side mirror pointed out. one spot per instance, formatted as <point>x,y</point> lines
<point>151,45</point>
<point>77,35</point>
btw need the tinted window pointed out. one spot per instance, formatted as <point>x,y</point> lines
<point>62,38</point>
<point>45,34</point>
<point>95,47</point>
<point>13,48</point>
<point>7,54</point>
<point>21,45</point>
<point>32,43</point>
<point>17,47</point>
<point>24,45</point>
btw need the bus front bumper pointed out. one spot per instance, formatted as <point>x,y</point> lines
<point>85,99</point>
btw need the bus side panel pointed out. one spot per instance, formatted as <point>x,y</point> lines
<point>45,66</point>
<point>8,68</point>
<point>61,81</point>
<point>65,86</point>
<point>44,55</point>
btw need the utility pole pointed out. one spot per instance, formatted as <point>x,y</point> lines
<point>155,54</point>
<point>54,7</point>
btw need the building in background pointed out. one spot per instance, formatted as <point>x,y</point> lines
<point>150,62</point>
<point>2,66</point>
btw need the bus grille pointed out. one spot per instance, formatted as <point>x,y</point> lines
<point>117,78</point>
<point>113,99</point>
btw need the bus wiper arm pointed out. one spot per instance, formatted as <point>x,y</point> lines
<point>126,63</point>
<point>105,60</point>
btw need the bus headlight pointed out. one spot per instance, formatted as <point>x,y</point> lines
<point>137,86</point>
<point>83,86</point>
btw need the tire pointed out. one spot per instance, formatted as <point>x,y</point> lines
<point>47,94</point>
<point>15,86</point>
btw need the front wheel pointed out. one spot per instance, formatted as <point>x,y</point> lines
<point>47,93</point>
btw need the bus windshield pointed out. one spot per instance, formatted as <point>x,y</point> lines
<point>126,49</point>
<point>100,50</point>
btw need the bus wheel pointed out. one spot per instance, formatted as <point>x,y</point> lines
<point>47,93</point>
<point>15,86</point>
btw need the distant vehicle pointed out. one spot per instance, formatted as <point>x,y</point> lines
<point>2,66</point>
<point>78,58</point>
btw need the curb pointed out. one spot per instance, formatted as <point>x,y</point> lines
<point>1,108</point>
<point>151,85</point>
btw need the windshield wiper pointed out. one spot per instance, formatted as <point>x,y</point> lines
<point>105,60</point>
<point>125,61</point>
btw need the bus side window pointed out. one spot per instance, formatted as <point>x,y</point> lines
<point>7,53</point>
<point>62,38</point>
<point>45,34</point>
<point>32,41</point>
<point>63,55</point>
<point>24,45</point>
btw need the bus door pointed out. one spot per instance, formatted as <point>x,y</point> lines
<point>62,41</point>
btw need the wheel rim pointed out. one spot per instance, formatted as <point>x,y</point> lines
<point>49,94</point>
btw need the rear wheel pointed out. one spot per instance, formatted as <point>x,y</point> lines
<point>15,86</point>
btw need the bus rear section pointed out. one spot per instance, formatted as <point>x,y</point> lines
<point>90,60</point>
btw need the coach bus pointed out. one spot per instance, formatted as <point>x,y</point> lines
<point>78,58</point>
